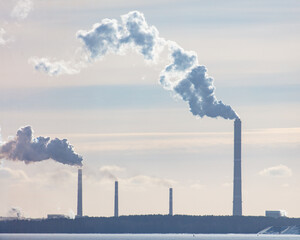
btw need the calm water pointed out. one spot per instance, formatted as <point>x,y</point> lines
<point>145,237</point>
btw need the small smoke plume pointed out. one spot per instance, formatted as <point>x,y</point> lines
<point>24,147</point>
<point>110,171</point>
<point>148,180</point>
<point>22,9</point>
<point>71,214</point>
<point>183,76</point>
<point>15,212</point>
<point>107,174</point>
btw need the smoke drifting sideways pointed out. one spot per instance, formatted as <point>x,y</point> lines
<point>108,174</point>
<point>24,147</point>
<point>183,76</point>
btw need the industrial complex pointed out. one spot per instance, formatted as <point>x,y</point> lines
<point>237,185</point>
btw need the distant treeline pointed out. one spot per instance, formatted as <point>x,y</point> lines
<point>147,224</point>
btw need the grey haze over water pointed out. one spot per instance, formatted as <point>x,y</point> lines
<point>145,237</point>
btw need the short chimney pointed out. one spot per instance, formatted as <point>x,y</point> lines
<point>79,194</point>
<point>116,200</point>
<point>171,201</point>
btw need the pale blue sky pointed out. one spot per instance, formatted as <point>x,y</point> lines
<point>116,114</point>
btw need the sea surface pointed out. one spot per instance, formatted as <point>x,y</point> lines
<point>146,237</point>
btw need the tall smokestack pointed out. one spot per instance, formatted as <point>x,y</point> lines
<point>171,201</point>
<point>116,200</point>
<point>237,181</point>
<point>79,194</point>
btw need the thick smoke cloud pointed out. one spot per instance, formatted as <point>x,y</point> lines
<point>109,36</point>
<point>183,76</point>
<point>24,147</point>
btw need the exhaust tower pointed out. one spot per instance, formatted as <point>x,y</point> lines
<point>171,201</point>
<point>237,181</point>
<point>116,199</point>
<point>79,194</point>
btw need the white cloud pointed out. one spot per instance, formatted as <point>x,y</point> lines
<point>20,12</point>
<point>3,39</point>
<point>22,9</point>
<point>277,171</point>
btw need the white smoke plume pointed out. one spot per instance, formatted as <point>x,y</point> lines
<point>22,9</point>
<point>24,147</point>
<point>184,76</point>
<point>110,171</point>
<point>15,212</point>
<point>71,214</point>
<point>148,180</point>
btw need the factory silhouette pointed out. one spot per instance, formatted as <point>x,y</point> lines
<point>237,180</point>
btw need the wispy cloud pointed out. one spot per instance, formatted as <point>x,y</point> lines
<point>149,180</point>
<point>19,12</point>
<point>276,171</point>
<point>2,33</point>
<point>197,186</point>
<point>3,38</point>
<point>56,68</point>
<point>22,9</point>
<point>13,174</point>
